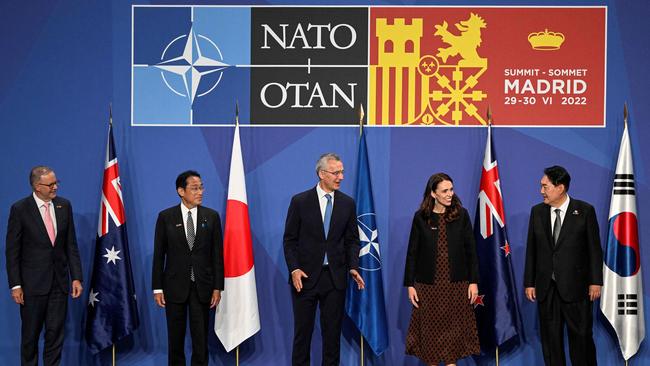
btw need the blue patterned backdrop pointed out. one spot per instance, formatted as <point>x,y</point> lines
<point>63,62</point>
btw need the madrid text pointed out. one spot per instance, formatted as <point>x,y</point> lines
<point>524,86</point>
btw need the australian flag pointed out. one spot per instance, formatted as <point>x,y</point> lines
<point>112,309</point>
<point>497,308</point>
<point>366,307</point>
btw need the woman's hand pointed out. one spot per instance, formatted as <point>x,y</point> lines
<point>413,296</point>
<point>472,292</point>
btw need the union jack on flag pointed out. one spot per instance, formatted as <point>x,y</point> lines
<point>112,309</point>
<point>497,309</point>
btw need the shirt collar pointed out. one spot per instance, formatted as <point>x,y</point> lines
<point>185,210</point>
<point>564,207</point>
<point>39,202</point>
<point>321,193</point>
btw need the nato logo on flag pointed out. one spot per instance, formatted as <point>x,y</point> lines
<point>185,64</point>
<point>623,258</point>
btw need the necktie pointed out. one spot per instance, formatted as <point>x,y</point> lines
<point>190,238</point>
<point>557,226</point>
<point>326,221</point>
<point>49,225</point>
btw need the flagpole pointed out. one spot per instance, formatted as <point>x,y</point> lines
<point>361,115</point>
<point>110,124</point>
<point>625,126</point>
<point>236,125</point>
<point>496,352</point>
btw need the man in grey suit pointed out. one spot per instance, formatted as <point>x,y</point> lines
<point>42,259</point>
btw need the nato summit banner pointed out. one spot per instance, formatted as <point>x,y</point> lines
<point>415,66</point>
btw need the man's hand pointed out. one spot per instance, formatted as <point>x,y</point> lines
<point>472,292</point>
<point>357,278</point>
<point>76,289</point>
<point>17,295</point>
<point>530,294</point>
<point>296,278</point>
<point>159,298</point>
<point>413,296</point>
<point>216,297</point>
<point>594,292</point>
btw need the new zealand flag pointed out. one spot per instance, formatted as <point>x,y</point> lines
<point>497,308</point>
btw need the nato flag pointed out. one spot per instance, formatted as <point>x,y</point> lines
<point>366,307</point>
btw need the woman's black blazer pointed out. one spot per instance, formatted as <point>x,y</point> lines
<point>421,254</point>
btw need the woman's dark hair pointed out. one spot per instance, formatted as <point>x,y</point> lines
<point>426,207</point>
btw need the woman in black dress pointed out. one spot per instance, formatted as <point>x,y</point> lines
<point>441,275</point>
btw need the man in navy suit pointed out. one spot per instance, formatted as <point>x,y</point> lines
<point>187,274</point>
<point>42,259</point>
<point>564,269</point>
<point>321,246</point>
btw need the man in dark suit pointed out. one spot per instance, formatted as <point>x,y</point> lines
<point>188,268</point>
<point>564,269</point>
<point>321,246</point>
<point>42,258</point>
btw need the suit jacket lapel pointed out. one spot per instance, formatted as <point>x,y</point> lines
<point>200,230</point>
<point>58,212</point>
<point>336,211</point>
<point>177,217</point>
<point>567,222</point>
<point>546,222</point>
<point>38,219</point>
<point>314,210</point>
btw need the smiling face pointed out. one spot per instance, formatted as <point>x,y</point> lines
<point>46,187</point>
<point>553,195</point>
<point>443,194</point>
<point>332,176</point>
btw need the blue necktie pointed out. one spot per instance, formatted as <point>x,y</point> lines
<point>326,220</point>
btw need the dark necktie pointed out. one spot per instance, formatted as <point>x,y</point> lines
<point>557,226</point>
<point>190,238</point>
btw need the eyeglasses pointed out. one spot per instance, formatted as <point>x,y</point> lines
<point>196,189</point>
<point>51,185</point>
<point>336,173</point>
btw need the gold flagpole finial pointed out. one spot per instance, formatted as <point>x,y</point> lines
<point>110,114</point>
<point>489,115</point>
<point>236,112</point>
<point>625,113</point>
<point>361,115</point>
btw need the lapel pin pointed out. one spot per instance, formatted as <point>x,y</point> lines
<point>575,212</point>
<point>58,206</point>
<point>179,225</point>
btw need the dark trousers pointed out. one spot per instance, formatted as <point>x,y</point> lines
<point>554,313</point>
<point>331,301</point>
<point>176,314</point>
<point>43,310</point>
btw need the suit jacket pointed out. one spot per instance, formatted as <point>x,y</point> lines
<point>32,261</point>
<point>304,238</point>
<point>576,259</point>
<point>421,254</point>
<point>172,257</point>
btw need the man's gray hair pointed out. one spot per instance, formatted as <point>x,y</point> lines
<point>321,164</point>
<point>37,172</point>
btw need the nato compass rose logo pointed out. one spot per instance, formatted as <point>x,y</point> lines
<point>191,66</point>
<point>369,258</point>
